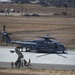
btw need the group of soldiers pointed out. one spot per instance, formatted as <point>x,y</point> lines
<point>20,62</point>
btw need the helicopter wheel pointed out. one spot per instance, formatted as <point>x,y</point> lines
<point>38,51</point>
<point>28,50</point>
<point>63,52</point>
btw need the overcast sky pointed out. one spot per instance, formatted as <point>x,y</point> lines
<point>4,0</point>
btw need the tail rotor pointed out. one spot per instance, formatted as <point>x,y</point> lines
<point>5,34</point>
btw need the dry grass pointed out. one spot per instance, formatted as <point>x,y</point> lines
<point>33,8</point>
<point>61,28</point>
<point>35,72</point>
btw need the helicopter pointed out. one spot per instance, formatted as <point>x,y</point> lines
<point>44,44</point>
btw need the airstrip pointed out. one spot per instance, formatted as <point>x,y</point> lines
<point>40,60</point>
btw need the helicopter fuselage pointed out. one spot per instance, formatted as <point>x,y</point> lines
<point>46,46</point>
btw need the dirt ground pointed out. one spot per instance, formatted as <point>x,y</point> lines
<point>8,71</point>
<point>35,8</point>
<point>27,28</point>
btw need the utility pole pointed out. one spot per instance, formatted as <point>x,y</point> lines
<point>4,31</point>
<point>22,9</point>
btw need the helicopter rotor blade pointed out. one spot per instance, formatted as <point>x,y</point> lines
<point>4,30</point>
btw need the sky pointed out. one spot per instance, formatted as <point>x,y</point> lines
<point>4,0</point>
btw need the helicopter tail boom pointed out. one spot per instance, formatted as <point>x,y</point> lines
<point>6,36</point>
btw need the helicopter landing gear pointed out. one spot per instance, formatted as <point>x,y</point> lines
<point>63,51</point>
<point>28,50</point>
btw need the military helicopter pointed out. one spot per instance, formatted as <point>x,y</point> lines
<point>44,44</point>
